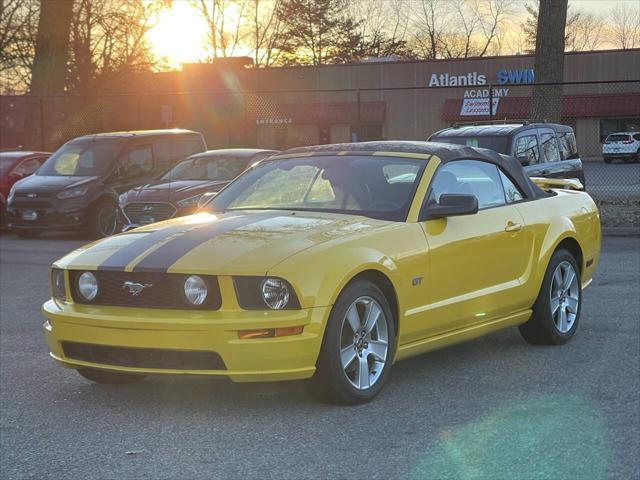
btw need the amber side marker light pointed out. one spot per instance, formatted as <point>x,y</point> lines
<point>270,332</point>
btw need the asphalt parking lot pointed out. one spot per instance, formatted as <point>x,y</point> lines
<point>492,408</point>
<point>613,181</point>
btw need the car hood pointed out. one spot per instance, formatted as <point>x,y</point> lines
<point>171,191</point>
<point>232,243</point>
<point>42,183</point>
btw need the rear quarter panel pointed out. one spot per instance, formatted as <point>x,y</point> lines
<point>566,215</point>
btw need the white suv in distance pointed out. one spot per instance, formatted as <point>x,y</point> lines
<point>624,146</point>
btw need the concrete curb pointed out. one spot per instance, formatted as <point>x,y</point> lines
<point>620,232</point>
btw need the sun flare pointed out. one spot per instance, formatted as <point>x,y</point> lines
<point>180,36</point>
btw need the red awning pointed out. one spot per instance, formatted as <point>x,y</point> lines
<point>580,106</point>
<point>320,113</point>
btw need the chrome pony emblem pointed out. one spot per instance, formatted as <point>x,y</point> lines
<point>135,288</point>
<point>32,195</point>
<point>147,208</point>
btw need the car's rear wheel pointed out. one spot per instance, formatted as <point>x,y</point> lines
<point>556,313</point>
<point>358,346</point>
<point>103,219</point>
<point>607,160</point>
<point>109,378</point>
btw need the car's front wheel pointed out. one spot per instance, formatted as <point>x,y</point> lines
<point>556,313</point>
<point>358,346</point>
<point>103,220</point>
<point>109,378</point>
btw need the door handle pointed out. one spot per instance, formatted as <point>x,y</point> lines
<point>513,227</point>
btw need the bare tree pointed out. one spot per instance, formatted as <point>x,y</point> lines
<point>624,29</point>
<point>549,61</point>
<point>225,32</point>
<point>265,29</point>
<point>18,30</point>
<point>108,38</point>
<point>382,26</point>
<point>431,19</point>
<point>460,28</point>
<point>585,31</point>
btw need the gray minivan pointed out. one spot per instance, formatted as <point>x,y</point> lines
<point>544,149</point>
<point>77,188</point>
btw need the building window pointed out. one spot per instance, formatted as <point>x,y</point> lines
<point>366,133</point>
<point>615,125</point>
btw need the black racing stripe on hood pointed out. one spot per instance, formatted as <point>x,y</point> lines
<point>160,260</point>
<point>123,257</point>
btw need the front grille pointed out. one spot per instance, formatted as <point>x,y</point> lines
<point>144,213</point>
<point>164,290</point>
<point>143,357</point>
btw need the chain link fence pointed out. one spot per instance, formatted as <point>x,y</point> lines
<point>287,118</point>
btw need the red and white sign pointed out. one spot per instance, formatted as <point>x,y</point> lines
<point>477,107</point>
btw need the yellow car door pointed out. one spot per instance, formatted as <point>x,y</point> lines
<point>476,261</point>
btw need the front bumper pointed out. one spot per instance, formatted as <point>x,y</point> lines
<point>267,359</point>
<point>47,219</point>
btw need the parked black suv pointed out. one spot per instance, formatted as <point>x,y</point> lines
<point>543,149</point>
<point>77,188</point>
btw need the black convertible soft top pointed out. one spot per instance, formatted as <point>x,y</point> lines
<point>444,151</point>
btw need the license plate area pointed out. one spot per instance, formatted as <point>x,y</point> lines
<point>29,215</point>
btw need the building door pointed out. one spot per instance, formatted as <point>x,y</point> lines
<point>324,134</point>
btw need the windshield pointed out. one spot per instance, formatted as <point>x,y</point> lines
<point>378,187</point>
<point>618,138</point>
<point>5,163</point>
<point>207,168</point>
<point>81,159</point>
<point>498,144</point>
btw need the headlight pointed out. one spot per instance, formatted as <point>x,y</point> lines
<point>275,293</point>
<point>58,288</point>
<point>88,286</point>
<point>12,192</point>
<point>122,199</point>
<point>190,202</point>
<point>195,290</point>
<point>72,193</point>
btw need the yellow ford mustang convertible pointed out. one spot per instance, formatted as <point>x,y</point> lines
<point>330,263</point>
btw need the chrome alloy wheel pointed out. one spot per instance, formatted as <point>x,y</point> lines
<point>565,296</point>
<point>364,342</point>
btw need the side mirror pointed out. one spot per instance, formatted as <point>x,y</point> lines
<point>524,160</point>
<point>451,205</point>
<point>204,199</point>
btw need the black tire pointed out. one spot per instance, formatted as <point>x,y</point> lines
<point>331,382</point>
<point>105,377</point>
<point>637,160</point>
<point>103,219</point>
<point>542,328</point>
<point>627,160</point>
<point>607,160</point>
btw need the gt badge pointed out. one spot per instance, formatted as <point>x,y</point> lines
<point>135,288</point>
<point>416,281</point>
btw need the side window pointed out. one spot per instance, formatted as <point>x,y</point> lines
<point>167,152</point>
<point>185,147</point>
<point>400,173</point>
<point>527,146</point>
<point>27,167</point>
<point>550,147</point>
<point>637,136</point>
<point>162,152</point>
<point>567,145</point>
<point>511,192</point>
<point>469,177</point>
<point>138,162</point>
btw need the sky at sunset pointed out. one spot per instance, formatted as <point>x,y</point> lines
<point>180,36</point>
